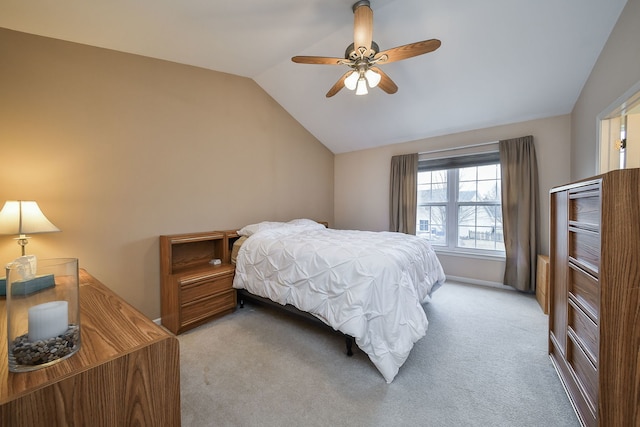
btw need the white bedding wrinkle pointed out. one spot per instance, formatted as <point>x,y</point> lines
<point>369,285</point>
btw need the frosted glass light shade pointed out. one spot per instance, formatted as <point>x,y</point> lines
<point>372,77</point>
<point>24,217</point>
<point>361,89</point>
<point>351,81</point>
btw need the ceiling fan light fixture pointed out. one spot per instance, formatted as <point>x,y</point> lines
<point>351,81</point>
<point>363,56</point>
<point>372,77</point>
<point>361,88</point>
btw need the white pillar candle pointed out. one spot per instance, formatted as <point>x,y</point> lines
<point>48,320</point>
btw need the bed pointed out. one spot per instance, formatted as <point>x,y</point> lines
<point>367,285</point>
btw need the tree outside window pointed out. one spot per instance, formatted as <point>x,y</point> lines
<point>460,208</point>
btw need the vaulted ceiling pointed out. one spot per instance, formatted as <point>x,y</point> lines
<point>501,61</point>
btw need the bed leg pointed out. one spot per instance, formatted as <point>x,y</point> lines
<point>241,303</point>
<point>349,342</point>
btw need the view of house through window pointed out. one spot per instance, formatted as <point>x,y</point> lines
<point>459,208</point>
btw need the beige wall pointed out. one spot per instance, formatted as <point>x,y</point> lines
<point>362,183</point>
<point>118,149</point>
<point>616,71</point>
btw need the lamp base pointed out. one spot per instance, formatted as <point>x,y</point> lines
<point>23,241</point>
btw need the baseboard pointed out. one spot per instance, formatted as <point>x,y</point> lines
<point>478,282</point>
<point>158,321</point>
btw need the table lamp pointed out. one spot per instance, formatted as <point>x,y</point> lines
<point>24,217</point>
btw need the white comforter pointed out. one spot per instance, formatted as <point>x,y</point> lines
<point>369,285</point>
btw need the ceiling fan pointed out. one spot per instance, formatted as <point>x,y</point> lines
<point>363,56</point>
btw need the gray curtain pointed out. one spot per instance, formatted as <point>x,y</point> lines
<point>403,195</point>
<point>519,211</point>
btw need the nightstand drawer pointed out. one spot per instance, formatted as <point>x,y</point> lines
<point>204,288</point>
<point>208,307</point>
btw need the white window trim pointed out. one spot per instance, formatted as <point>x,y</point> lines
<point>466,253</point>
<point>452,231</point>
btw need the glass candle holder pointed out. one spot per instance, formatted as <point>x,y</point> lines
<point>43,312</point>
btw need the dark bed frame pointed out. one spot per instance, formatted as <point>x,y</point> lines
<point>244,295</point>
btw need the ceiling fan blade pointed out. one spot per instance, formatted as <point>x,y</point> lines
<point>408,50</point>
<point>321,60</point>
<point>362,27</point>
<point>386,84</point>
<point>339,85</point>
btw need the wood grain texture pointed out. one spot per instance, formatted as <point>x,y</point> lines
<point>542,283</point>
<point>126,372</point>
<point>363,28</point>
<point>192,291</point>
<point>317,60</point>
<point>337,86</point>
<point>619,380</point>
<point>386,84</point>
<point>600,361</point>
<point>408,50</point>
<point>558,274</point>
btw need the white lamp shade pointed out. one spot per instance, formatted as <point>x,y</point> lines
<point>361,88</point>
<point>24,217</point>
<point>351,81</point>
<point>372,77</point>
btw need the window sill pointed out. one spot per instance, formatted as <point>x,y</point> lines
<point>468,254</point>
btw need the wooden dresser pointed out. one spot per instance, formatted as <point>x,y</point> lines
<point>594,313</point>
<point>126,372</point>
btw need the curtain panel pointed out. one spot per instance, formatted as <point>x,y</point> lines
<point>519,211</point>
<point>403,195</point>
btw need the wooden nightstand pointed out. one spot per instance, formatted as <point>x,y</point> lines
<point>542,283</point>
<point>193,291</point>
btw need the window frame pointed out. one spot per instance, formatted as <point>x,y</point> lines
<point>452,205</point>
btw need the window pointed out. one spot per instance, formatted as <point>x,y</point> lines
<point>459,203</point>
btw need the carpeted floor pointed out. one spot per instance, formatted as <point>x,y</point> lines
<point>483,362</point>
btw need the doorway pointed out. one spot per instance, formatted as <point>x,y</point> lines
<point>619,133</point>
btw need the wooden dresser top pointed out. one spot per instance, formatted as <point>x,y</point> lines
<point>109,328</point>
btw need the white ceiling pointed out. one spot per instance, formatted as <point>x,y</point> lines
<point>501,61</point>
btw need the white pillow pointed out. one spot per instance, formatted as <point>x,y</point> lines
<point>305,224</point>
<point>250,229</point>
<point>299,224</point>
<point>302,222</point>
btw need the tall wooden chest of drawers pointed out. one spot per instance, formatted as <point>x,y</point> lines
<point>594,313</point>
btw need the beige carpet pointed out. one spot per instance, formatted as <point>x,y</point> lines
<point>483,362</point>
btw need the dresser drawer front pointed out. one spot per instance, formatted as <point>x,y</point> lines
<point>585,290</point>
<point>197,290</point>
<point>585,207</point>
<point>584,248</point>
<point>208,307</point>
<point>585,373</point>
<point>585,330</point>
